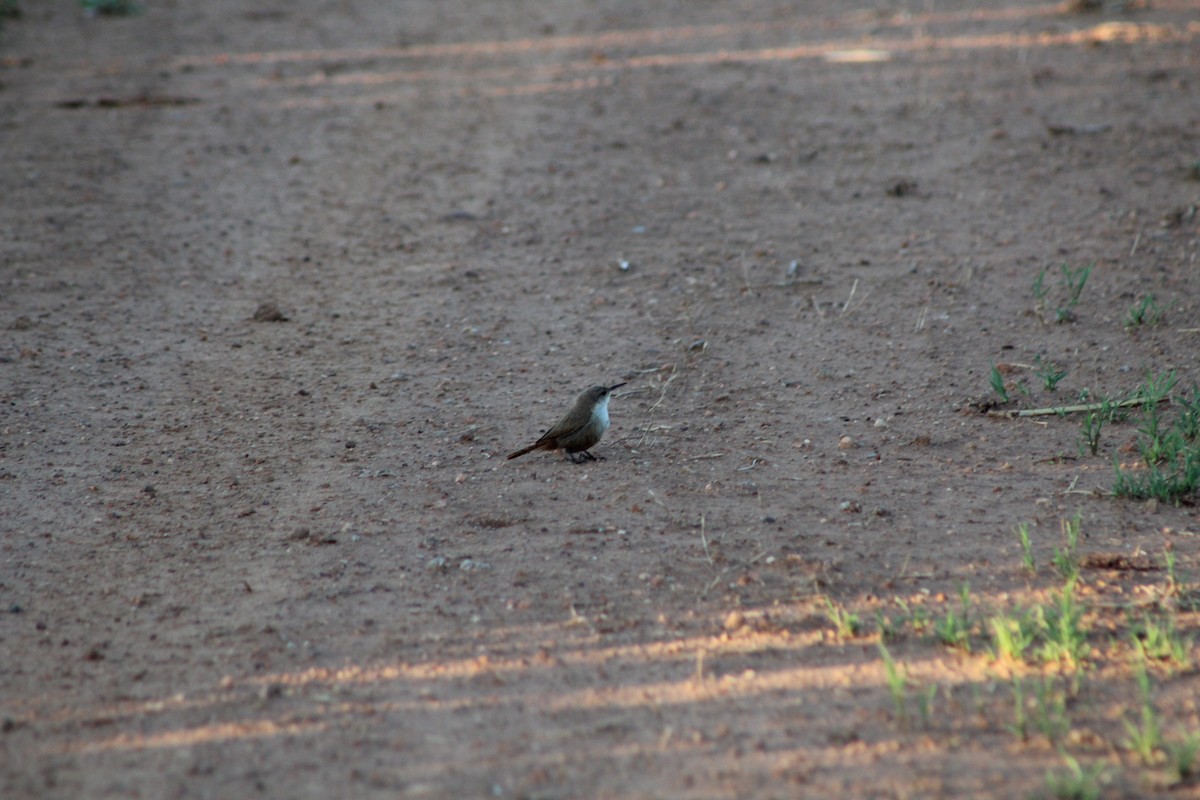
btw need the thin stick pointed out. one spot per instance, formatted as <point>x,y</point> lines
<point>661,396</point>
<point>846,305</point>
<point>1041,412</point>
<point>704,541</point>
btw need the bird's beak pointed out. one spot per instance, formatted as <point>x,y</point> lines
<point>618,386</point>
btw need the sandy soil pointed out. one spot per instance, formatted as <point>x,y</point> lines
<point>277,551</point>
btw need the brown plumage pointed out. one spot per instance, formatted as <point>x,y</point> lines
<point>580,429</point>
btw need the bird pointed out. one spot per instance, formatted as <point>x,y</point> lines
<point>580,429</point>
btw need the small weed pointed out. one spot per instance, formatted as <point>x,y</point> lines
<point>1072,281</point>
<point>1166,485</point>
<point>1076,783</point>
<point>1182,757</point>
<point>1170,454</point>
<point>1050,712</point>
<point>1089,436</point>
<point>1156,641</point>
<point>847,623</point>
<point>897,683</point>
<point>1171,561</point>
<point>916,618</point>
<point>1026,548</point>
<point>1049,373</point>
<point>1060,627</point>
<point>1093,423</point>
<point>1064,560</point>
<point>1157,445</point>
<point>997,381</point>
<point>1155,389</point>
<point>925,703</point>
<point>1188,423</point>
<point>1011,636</point>
<point>1020,726</point>
<point>954,629</point>
<point>888,632</point>
<point>1040,290</point>
<point>1145,738</point>
<point>1145,312</point>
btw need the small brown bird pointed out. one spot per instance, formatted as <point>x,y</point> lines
<point>580,429</point>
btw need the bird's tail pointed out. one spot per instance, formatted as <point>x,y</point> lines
<point>525,450</point>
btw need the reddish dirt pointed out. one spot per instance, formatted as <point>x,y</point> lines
<point>250,551</point>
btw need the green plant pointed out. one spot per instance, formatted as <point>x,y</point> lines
<point>1156,641</point>
<point>1020,726</point>
<point>847,623</point>
<point>925,703</point>
<point>1073,282</point>
<point>1166,485</point>
<point>1182,757</point>
<point>897,683</point>
<point>1157,445</point>
<point>1064,560</point>
<point>1040,290</point>
<point>916,618</point>
<point>1171,562</point>
<point>1155,389</point>
<point>1145,737</point>
<point>1050,711</point>
<point>1049,374</point>
<point>954,629</point>
<point>1170,454</point>
<point>1188,423</point>
<point>1026,547</point>
<point>1011,636</point>
<point>1093,422</point>
<point>888,632</point>
<point>1076,783</point>
<point>1144,312</point>
<point>1060,628</point>
<point>1089,437</point>
<point>997,382</point>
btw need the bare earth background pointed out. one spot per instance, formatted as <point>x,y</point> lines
<point>285,557</point>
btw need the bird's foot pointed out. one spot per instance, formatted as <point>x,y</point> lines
<point>581,457</point>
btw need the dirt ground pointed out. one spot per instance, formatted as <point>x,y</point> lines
<point>281,284</point>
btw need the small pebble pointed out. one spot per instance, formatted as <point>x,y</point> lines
<point>269,312</point>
